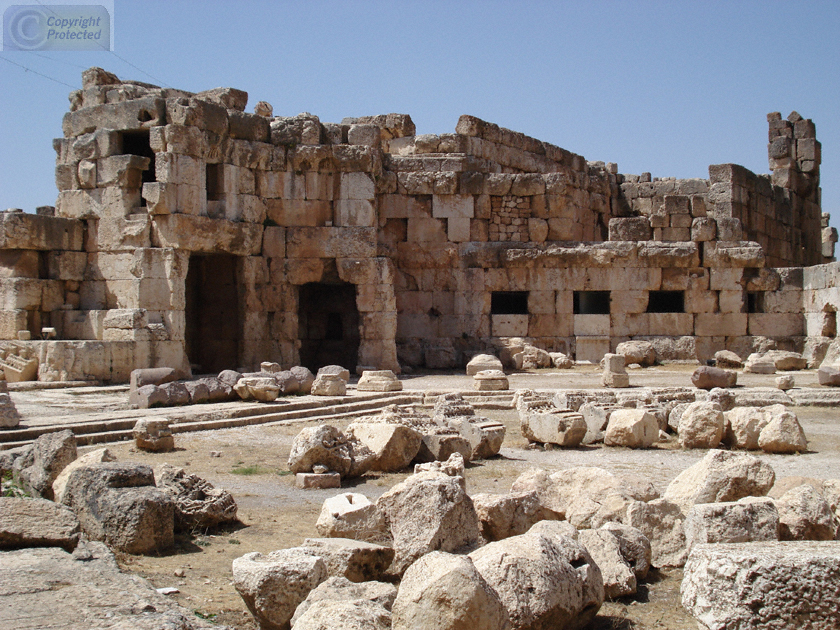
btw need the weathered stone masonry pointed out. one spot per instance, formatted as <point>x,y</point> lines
<point>188,231</point>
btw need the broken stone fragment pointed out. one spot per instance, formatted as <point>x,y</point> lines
<point>352,515</point>
<point>481,362</point>
<point>446,592</point>
<point>633,428</point>
<point>449,520</point>
<point>490,380</point>
<point>153,434</point>
<point>356,560</point>
<point>329,385</point>
<point>378,381</point>
<point>542,582</point>
<point>262,389</point>
<point>702,425</point>
<point>26,522</point>
<point>197,502</point>
<point>273,585</point>
<point>336,590</point>
<point>118,504</point>
<point>706,377</point>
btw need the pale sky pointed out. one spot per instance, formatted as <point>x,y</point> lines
<point>663,87</point>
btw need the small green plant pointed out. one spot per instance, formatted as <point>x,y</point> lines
<point>253,469</point>
<point>283,473</point>
<point>9,488</point>
<point>233,541</point>
<point>207,616</point>
<point>202,543</point>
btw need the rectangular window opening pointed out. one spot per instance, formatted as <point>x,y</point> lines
<point>591,302</point>
<point>666,302</point>
<point>509,303</point>
<point>137,143</point>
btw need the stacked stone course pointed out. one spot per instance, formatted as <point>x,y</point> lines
<point>155,182</point>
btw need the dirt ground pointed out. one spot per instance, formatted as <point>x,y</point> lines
<point>274,514</point>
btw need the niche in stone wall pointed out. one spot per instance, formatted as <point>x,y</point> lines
<point>328,325</point>
<point>212,313</point>
<point>666,302</point>
<point>755,302</point>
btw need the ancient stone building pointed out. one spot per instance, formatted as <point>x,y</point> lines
<point>188,232</point>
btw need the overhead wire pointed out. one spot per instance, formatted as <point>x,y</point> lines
<point>108,50</point>
<point>40,74</point>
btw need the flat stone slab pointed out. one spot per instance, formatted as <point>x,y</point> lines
<point>50,588</point>
<point>766,585</point>
<point>317,481</point>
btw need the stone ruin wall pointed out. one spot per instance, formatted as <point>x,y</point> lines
<point>426,229</point>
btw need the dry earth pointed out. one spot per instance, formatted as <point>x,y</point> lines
<point>275,514</point>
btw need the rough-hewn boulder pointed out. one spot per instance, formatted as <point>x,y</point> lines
<point>347,615</point>
<point>783,434</point>
<point>446,592</point>
<point>804,514</point>
<point>116,502</point>
<point>51,453</point>
<point>356,560</point>
<point>743,425</point>
<point>328,385</point>
<point>273,585</point>
<point>481,362</point>
<point>197,502</point>
<point>563,428</point>
<point>633,428</point>
<point>662,523</point>
<point>758,363</point>
<point>352,515</point>
<point>618,576</point>
<point>727,359</point>
<point>641,352</point>
<point>327,446</point>
<point>746,520</point>
<point>543,582</point>
<point>449,521</point>
<point>702,425</point>
<point>720,476</point>
<point>28,522</point>
<point>634,546</point>
<point>340,589</point>
<point>706,377</point>
<point>304,377</point>
<point>153,434</point>
<point>394,446</point>
<point>767,585</point>
<point>93,457</point>
<point>786,361</point>
<point>505,515</point>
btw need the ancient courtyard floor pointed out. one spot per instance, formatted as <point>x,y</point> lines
<point>274,514</point>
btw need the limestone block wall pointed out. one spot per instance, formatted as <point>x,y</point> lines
<point>445,244</point>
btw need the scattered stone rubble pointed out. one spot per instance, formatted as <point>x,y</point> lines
<point>398,436</point>
<point>548,552</point>
<point>119,503</point>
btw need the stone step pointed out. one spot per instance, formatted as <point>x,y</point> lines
<point>118,429</point>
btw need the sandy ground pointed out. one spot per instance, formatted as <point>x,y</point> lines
<point>274,514</point>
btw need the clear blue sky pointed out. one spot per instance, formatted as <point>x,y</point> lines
<point>665,87</point>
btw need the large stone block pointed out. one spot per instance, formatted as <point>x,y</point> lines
<point>346,242</point>
<point>19,230</point>
<point>764,585</point>
<point>202,234</point>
